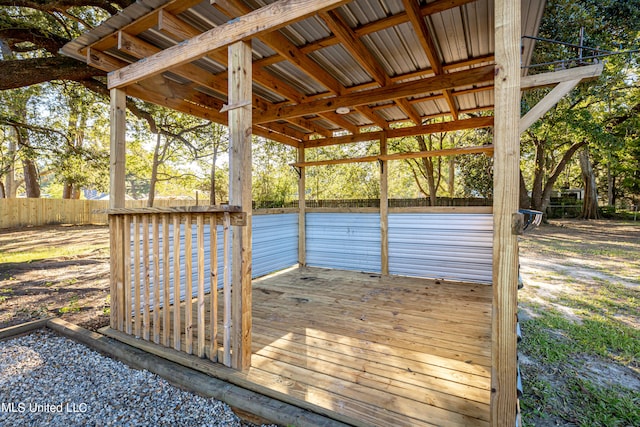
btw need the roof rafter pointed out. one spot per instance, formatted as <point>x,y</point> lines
<point>413,88</point>
<point>253,24</point>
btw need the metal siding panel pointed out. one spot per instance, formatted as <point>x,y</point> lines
<point>455,247</point>
<point>348,241</point>
<point>275,243</point>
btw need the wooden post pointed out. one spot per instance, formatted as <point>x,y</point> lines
<point>302,237</point>
<point>505,207</point>
<point>384,208</point>
<point>240,195</point>
<point>118,119</point>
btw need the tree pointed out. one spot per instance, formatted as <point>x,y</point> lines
<point>579,119</point>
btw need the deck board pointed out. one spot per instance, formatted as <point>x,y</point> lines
<point>370,350</point>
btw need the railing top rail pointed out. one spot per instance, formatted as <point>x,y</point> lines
<point>176,209</point>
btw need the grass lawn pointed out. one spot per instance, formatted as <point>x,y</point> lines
<point>580,313</point>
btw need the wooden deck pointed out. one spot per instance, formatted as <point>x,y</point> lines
<point>366,350</point>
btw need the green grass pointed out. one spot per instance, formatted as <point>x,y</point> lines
<point>72,307</point>
<point>47,253</point>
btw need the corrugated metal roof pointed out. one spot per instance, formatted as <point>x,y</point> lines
<point>381,27</point>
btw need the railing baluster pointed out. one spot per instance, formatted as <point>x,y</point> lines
<point>188,298</point>
<point>136,275</point>
<point>146,277</point>
<point>156,279</point>
<point>213,270</point>
<point>200,308</point>
<point>127,273</point>
<point>166,276</point>
<point>177,327</point>
<point>227,291</point>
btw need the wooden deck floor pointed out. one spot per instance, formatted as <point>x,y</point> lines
<point>372,351</point>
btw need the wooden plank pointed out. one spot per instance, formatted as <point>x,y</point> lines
<point>23,328</point>
<point>137,330</point>
<point>156,278</point>
<point>226,289</point>
<point>399,90</point>
<point>384,208</point>
<point>302,215</point>
<point>506,169</point>
<point>118,120</point>
<point>213,307</point>
<point>548,79</point>
<point>115,263</point>
<point>546,103</point>
<point>188,293</point>
<point>263,20</point>
<point>486,149</point>
<point>147,279</point>
<point>166,276</point>
<point>473,123</point>
<point>126,249</point>
<point>176,281</point>
<point>240,194</point>
<point>201,272</point>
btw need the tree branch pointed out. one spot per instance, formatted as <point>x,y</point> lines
<point>112,7</point>
<point>27,72</point>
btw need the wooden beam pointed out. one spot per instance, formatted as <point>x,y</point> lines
<point>549,79</point>
<point>181,30</point>
<point>481,149</point>
<point>285,48</point>
<point>268,18</point>
<point>240,195</point>
<point>118,118</point>
<point>140,49</point>
<point>486,149</point>
<point>302,207</point>
<point>399,90</point>
<point>474,123</point>
<point>384,208</point>
<point>546,103</point>
<point>117,174</point>
<point>506,173</point>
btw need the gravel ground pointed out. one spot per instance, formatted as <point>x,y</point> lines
<point>46,379</point>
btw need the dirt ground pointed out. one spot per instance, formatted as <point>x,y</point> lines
<point>73,285</point>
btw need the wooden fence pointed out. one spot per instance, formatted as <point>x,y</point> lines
<point>36,212</point>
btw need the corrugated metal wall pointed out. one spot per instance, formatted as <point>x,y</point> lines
<point>275,242</point>
<point>449,246</point>
<point>275,247</point>
<point>349,241</point>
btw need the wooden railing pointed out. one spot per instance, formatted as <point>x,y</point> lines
<point>154,282</point>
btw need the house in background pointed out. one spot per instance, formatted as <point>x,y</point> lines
<point>382,348</point>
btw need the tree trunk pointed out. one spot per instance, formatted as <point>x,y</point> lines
<point>452,176</point>
<point>590,202</point>
<point>31,184</point>
<point>154,171</point>
<point>525,200</point>
<point>67,189</point>
<point>212,190</point>
<point>427,165</point>
<point>3,195</point>
<point>537,188</point>
<point>10,180</point>
<point>611,198</point>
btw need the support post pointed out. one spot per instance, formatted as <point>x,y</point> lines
<point>384,208</point>
<point>505,205</point>
<point>240,195</point>
<point>302,236</point>
<point>117,116</point>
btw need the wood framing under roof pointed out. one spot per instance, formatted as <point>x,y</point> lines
<point>389,64</point>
